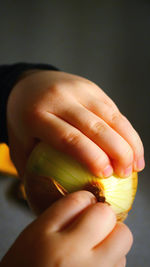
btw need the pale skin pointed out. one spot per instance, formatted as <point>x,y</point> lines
<point>75,231</point>
<point>74,115</point>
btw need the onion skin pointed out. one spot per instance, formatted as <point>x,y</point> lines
<point>50,174</point>
<point>41,192</point>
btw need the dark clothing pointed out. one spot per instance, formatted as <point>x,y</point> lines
<point>9,75</point>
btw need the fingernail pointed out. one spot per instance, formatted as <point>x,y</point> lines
<point>128,171</point>
<point>108,171</point>
<point>140,164</point>
<point>92,197</point>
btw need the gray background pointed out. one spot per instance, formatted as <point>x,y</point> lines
<point>109,43</point>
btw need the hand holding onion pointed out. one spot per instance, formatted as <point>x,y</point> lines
<point>76,117</point>
<point>51,173</point>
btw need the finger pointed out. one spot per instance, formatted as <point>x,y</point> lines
<point>93,225</point>
<point>117,244</point>
<point>112,143</point>
<point>63,136</point>
<point>66,209</point>
<point>121,263</point>
<point>109,112</point>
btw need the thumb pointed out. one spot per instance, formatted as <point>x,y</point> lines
<point>65,210</point>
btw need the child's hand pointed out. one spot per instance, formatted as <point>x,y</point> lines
<point>76,116</point>
<point>74,232</point>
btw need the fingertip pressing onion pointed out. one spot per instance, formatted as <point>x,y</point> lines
<point>68,175</point>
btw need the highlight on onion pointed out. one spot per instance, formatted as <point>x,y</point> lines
<point>51,174</point>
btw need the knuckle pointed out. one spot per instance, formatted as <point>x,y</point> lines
<point>56,93</point>
<point>63,253</point>
<point>98,128</point>
<point>58,256</point>
<point>65,260</point>
<point>71,139</point>
<point>60,261</point>
<point>108,103</point>
<point>99,162</point>
<point>101,159</point>
<point>116,117</point>
<point>126,158</point>
<point>54,89</point>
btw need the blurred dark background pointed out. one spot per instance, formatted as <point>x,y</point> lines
<point>107,42</point>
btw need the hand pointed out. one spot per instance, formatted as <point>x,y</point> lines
<point>74,115</point>
<point>75,231</point>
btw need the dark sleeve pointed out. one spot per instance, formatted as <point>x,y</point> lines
<point>9,75</point>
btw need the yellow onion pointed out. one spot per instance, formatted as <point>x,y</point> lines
<point>48,167</point>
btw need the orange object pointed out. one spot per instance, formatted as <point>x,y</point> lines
<point>6,165</point>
